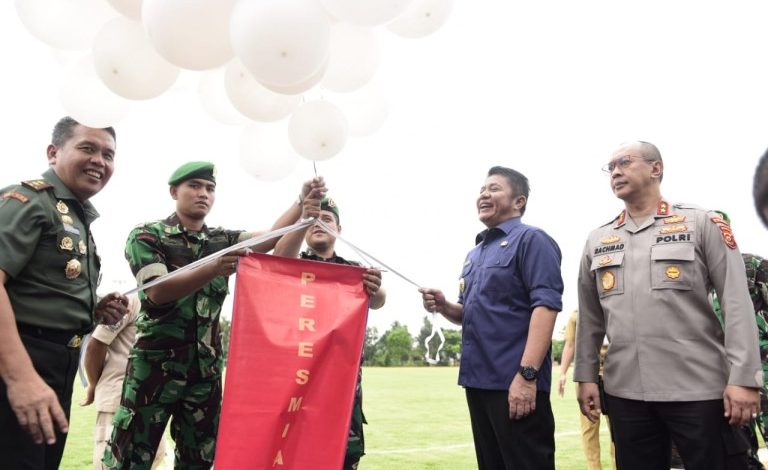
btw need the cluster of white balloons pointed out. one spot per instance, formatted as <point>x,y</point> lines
<point>256,56</point>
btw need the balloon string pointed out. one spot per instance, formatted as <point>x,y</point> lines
<point>362,253</point>
<point>435,331</point>
<point>212,257</point>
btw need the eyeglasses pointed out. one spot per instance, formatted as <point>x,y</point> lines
<point>621,162</point>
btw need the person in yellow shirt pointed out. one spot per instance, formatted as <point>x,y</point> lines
<point>590,432</point>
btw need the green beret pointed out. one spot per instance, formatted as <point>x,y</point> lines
<point>328,204</point>
<point>191,170</point>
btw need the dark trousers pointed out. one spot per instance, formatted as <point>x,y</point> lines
<point>506,444</point>
<point>643,433</point>
<point>57,365</point>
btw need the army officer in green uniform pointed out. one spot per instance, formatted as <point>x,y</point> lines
<point>49,272</point>
<point>174,369</point>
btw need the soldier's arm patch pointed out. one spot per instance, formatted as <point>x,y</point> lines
<point>147,237</point>
<point>725,230</point>
<point>16,195</point>
<point>37,185</point>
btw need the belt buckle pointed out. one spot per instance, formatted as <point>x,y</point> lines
<point>75,342</point>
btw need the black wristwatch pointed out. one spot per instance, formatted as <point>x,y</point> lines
<point>529,373</point>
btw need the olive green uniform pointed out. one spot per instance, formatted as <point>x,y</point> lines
<point>48,253</point>
<point>175,367</point>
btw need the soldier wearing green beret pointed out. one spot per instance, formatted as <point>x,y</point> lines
<point>321,247</point>
<point>175,367</point>
<point>49,273</point>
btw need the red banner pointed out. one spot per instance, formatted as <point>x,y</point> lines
<point>297,334</point>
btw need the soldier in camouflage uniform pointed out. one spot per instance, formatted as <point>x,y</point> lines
<point>175,367</point>
<point>321,247</point>
<point>757,283</point>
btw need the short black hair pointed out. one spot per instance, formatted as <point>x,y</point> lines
<point>760,188</point>
<point>516,180</point>
<point>65,129</point>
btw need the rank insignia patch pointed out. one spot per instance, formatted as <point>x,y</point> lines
<point>610,240</point>
<point>674,229</point>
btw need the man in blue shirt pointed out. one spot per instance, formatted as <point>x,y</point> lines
<point>510,293</point>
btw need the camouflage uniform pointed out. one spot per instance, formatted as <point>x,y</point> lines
<point>175,367</point>
<point>356,440</point>
<point>757,283</point>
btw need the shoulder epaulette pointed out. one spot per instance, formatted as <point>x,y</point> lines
<point>37,185</point>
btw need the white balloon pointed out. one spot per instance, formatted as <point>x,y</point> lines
<point>282,42</point>
<point>422,17</point>
<point>366,109</point>
<point>85,97</point>
<point>365,12</point>
<point>213,97</point>
<point>317,130</point>
<point>251,98</point>
<point>64,24</point>
<point>300,87</point>
<point>265,153</point>
<point>193,34</point>
<point>126,62</point>
<point>129,8</point>
<point>354,57</point>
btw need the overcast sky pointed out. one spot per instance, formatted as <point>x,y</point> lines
<point>548,88</point>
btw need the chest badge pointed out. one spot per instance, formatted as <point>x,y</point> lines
<point>461,285</point>
<point>608,280</point>
<point>675,219</point>
<point>673,272</point>
<point>72,269</point>
<point>67,219</point>
<point>673,229</point>
<point>82,248</point>
<point>605,260</point>
<point>610,240</point>
<point>504,243</point>
<point>62,207</point>
<point>66,244</point>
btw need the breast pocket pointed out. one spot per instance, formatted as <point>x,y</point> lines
<point>672,266</point>
<point>609,273</point>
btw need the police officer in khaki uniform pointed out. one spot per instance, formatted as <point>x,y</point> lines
<point>104,361</point>
<point>49,272</point>
<point>671,370</point>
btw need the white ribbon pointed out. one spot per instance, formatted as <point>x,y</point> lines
<point>214,256</point>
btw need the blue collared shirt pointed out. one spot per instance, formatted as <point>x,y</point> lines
<point>513,269</point>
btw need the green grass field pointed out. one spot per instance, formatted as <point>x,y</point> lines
<point>417,421</point>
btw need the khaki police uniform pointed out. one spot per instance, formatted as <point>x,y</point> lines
<point>48,253</point>
<point>646,287</point>
<point>119,339</point>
